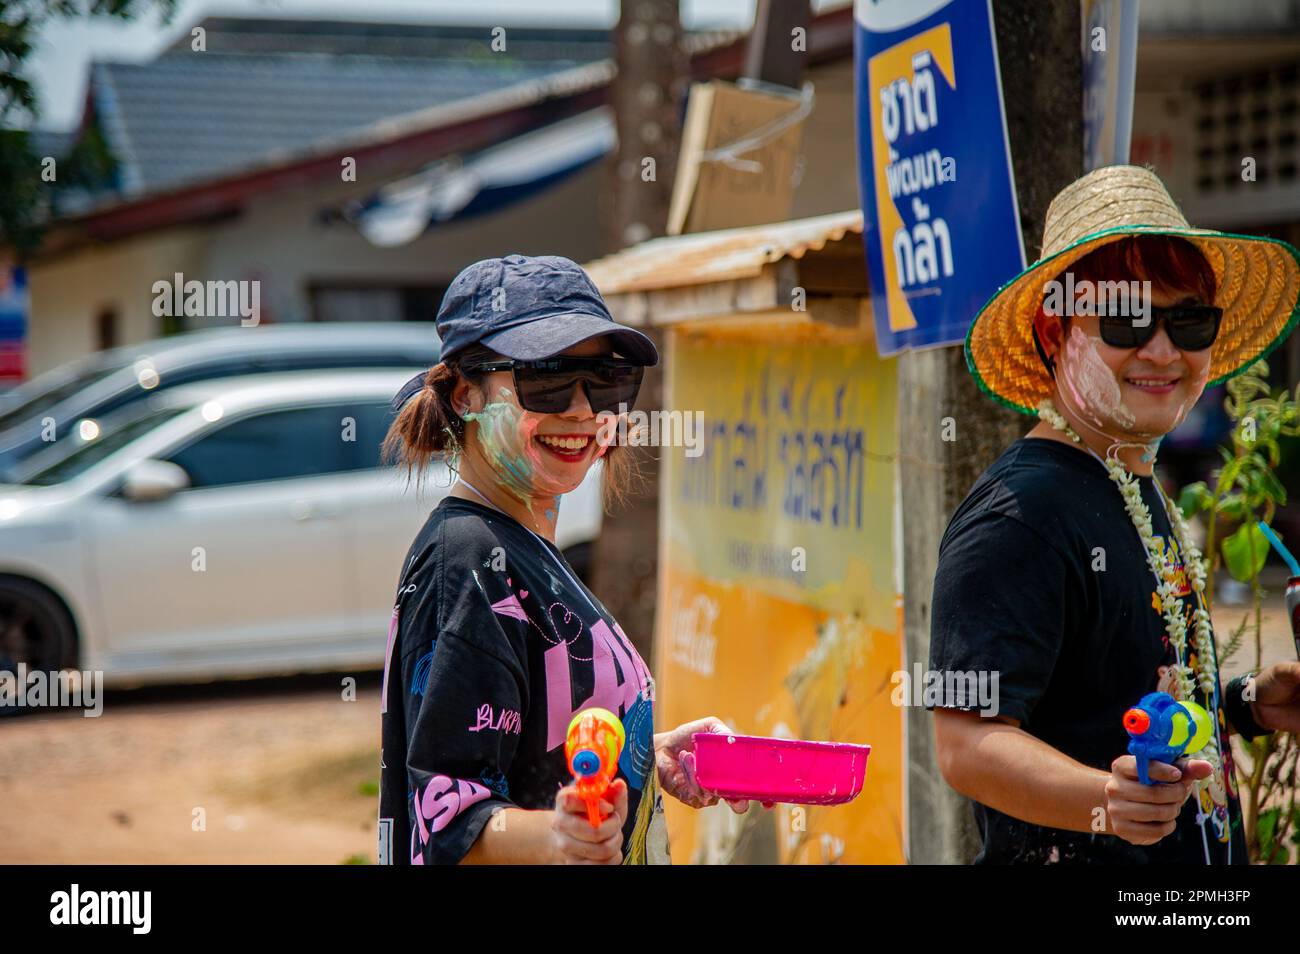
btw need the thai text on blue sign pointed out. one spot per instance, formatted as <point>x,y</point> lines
<point>942,229</point>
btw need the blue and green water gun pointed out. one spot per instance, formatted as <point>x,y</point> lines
<point>1162,729</point>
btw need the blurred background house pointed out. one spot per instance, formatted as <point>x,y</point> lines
<point>1216,111</point>
<point>234,163</point>
<point>228,162</point>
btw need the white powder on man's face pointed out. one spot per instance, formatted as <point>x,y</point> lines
<point>1092,384</point>
<point>1198,388</point>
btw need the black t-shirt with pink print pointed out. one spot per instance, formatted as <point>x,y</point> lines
<point>493,646</point>
<point>1043,579</point>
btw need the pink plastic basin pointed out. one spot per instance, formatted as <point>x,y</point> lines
<point>780,770</point>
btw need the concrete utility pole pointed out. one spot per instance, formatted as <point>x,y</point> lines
<point>1040,58</point>
<point>651,83</point>
<point>649,90</point>
<point>770,56</point>
<point>653,75</point>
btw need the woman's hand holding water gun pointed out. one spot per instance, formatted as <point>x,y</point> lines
<point>574,841</point>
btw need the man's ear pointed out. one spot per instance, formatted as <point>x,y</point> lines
<point>1050,333</point>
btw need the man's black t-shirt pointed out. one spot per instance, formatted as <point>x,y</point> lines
<point>493,646</point>
<point>1042,578</point>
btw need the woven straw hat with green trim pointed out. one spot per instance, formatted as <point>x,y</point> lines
<point>1258,283</point>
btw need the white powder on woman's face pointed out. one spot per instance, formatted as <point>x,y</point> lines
<point>505,437</point>
<point>1091,383</point>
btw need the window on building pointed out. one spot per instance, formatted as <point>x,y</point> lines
<point>106,329</point>
<point>376,302</point>
<point>1247,116</point>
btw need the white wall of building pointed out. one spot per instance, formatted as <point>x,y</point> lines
<point>69,292</point>
<point>281,242</point>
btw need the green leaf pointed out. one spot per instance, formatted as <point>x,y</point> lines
<point>1231,471</point>
<point>1274,451</point>
<point>1233,507</point>
<point>1244,552</point>
<point>1195,498</point>
<point>1266,829</point>
<point>1272,487</point>
<point>1229,650</point>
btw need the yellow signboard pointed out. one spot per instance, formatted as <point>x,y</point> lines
<point>779,607</point>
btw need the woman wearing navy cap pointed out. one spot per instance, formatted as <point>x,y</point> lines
<point>495,644</point>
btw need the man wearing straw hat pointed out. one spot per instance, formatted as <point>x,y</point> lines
<point>1067,571</point>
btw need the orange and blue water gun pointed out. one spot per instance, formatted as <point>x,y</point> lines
<point>592,747</point>
<point>1162,729</point>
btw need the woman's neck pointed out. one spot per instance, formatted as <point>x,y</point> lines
<point>539,514</point>
<point>1131,454</point>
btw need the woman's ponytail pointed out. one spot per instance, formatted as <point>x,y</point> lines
<point>428,425</point>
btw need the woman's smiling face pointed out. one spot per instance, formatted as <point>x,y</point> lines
<point>531,454</point>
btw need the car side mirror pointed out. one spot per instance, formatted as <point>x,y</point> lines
<point>149,480</point>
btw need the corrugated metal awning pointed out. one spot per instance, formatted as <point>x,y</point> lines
<point>683,277</point>
<point>725,255</point>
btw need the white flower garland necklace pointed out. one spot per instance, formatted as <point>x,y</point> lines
<point>1171,605</point>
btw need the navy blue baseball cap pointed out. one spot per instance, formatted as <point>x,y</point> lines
<point>526,308</point>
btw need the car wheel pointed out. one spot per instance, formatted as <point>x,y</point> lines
<point>35,631</point>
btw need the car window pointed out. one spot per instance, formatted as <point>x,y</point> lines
<point>18,408</point>
<point>69,459</point>
<point>274,445</point>
<point>351,358</point>
<point>372,427</point>
<point>41,394</point>
<point>135,391</point>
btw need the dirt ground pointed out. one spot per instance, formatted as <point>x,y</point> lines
<point>1276,643</point>
<point>284,771</point>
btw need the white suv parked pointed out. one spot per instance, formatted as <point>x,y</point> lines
<point>235,527</point>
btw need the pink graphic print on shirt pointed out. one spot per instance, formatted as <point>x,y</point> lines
<point>444,798</point>
<point>608,692</point>
<point>608,646</point>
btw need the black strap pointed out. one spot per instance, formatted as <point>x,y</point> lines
<point>409,390</point>
<point>1237,709</point>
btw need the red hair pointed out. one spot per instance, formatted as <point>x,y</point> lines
<point>1170,263</point>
